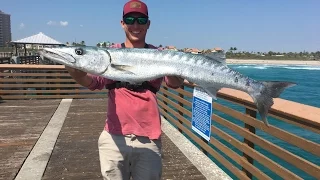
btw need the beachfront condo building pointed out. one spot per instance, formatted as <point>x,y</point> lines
<point>5,29</point>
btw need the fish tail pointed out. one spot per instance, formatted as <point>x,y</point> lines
<point>264,100</point>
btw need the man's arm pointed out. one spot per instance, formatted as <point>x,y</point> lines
<point>79,76</point>
<point>87,80</point>
<point>174,81</point>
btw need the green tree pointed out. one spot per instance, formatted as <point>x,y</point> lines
<point>207,51</point>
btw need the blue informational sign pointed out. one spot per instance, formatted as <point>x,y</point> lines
<point>201,113</point>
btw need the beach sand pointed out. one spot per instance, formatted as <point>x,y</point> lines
<point>276,62</point>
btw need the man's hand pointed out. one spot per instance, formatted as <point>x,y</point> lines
<point>75,73</point>
<point>79,76</point>
<point>174,81</point>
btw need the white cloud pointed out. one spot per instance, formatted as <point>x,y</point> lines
<point>54,23</point>
<point>51,23</point>
<point>21,26</point>
<point>64,23</point>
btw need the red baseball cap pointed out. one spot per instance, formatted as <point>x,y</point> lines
<point>135,6</point>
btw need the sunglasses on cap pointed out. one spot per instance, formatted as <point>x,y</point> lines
<point>130,20</point>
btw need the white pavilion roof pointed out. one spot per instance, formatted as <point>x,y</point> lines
<point>38,39</point>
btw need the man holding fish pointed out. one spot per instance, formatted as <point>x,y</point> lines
<point>130,144</point>
<point>133,71</point>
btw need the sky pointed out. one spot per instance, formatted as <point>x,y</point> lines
<point>249,25</point>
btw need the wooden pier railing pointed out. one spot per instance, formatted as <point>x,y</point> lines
<point>5,60</point>
<point>25,81</point>
<point>240,143</point>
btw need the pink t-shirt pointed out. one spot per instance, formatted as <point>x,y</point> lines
<point>131,112</point>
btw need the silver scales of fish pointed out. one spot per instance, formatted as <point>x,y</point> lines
<point>135,65</point>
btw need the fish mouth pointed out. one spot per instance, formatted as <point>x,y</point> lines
<point>57,55</point>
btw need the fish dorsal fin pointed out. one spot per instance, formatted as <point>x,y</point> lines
<point>217,56</point>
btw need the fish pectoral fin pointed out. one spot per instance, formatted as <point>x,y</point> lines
<point>212,91</point>
<point>122,68</point>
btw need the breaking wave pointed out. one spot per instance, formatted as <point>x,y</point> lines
<point>259,66</point>
<point>305,68</point>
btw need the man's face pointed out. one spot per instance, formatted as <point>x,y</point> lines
<point>135,31</point>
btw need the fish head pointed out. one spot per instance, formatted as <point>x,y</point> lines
<point>91,59</point>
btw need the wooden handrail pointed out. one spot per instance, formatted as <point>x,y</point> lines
<point>32,66</point>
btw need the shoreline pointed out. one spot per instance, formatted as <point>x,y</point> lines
<point>272,62</point>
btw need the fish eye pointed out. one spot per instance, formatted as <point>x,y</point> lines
<point>79,51</point>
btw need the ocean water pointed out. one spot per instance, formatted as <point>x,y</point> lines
<point>307,78</point>
<point>307,91</point>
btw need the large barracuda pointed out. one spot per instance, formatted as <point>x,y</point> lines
<point>135,65</point>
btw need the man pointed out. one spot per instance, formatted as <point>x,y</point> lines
<point>130,144</point>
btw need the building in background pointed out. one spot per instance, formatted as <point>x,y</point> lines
<point>5,29</point>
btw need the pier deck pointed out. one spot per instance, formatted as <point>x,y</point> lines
<point>39,143</point>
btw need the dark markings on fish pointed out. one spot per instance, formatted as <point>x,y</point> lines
<point>248,82</point>
<point>224,68</point>
<point>212,74</point>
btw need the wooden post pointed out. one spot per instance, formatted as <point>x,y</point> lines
<point>202,149</point>
<point>58,88</point>
<point>166,96</point>
<point>249,143</point>
<point>25,49</point>
<point>16,46</point>
<point>181,105</point>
